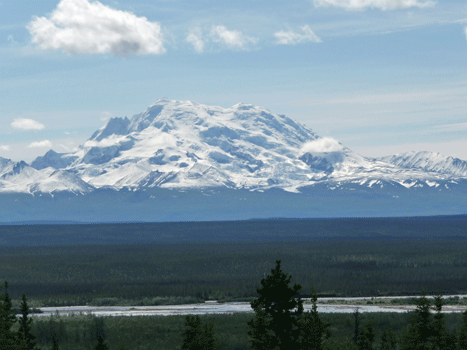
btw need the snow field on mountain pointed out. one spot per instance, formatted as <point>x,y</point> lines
<point>186,145</point>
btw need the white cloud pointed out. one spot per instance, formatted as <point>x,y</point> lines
<point>4,148</point>
<point>112,140</point>
<point>231,38</point>
<point>379,4</point>
<point>195,39</point>
<point>321,145</point>
<point>292,38</point>
<point>26,124</point>
<point>465,32</point>
<point>84,27</point>
<point>41,144</point>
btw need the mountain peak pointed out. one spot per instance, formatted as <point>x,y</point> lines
<point>184,144</point>
<point>428,161</point>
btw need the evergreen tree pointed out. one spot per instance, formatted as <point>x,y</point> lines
<point>366,337</point>
<point>26,338</point>
<point>54,342</point>
<point>462,337</point>
<point>388,340</point>
<point>340,344</point>
<point>101,345</point>
<point>8,338</point>
<point>418,333</point>
<point>198,336</point>
<point>97,329</point>
<point>437,328</point>
<point>313,331</point>
<point>122,346</point>
<point>356,332</point>
<point>262,337</point>
<point>278,312</point>
<point>441,338</point>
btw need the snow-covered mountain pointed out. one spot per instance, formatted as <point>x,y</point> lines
<point>186,146</point>
<point>429,161</point>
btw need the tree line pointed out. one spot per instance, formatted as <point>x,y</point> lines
<point>279,323</point>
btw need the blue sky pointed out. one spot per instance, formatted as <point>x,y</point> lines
<point>380,76</point>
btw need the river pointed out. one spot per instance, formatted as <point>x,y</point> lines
<point>325,305</point>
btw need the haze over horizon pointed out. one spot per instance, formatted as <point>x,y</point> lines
<point>380,76</point>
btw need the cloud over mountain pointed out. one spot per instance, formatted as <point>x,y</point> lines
<point>321,145</point>
<point>84,27</point>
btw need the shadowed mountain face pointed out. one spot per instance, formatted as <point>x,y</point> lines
<point>186,146</point>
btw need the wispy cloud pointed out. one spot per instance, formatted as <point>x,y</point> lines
<point>232,39</point>
<point>195,38</point>
<point>292,38</point>
<point>41,144</point>
<point>83,27</point>
<point>450,127</point>
<point>465,32</point>
<point>27,124</point>
<point>219,35</point>
<point>4,148</point>
<point>379,4</point>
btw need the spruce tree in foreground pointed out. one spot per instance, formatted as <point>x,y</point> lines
<point>198,336</point>
<point>54,342</point>
<point>261,335</point>
<point>101,345</point>
<point>277,312</point>
<point>356,332</point>
<point>462,337</point>
<point>441,338</point>
<point>313,331</point>
<point>25,337</point>
<point>418,333</point>
<point>366,337</point>
<point>388,340</point>
<point>8,338</point>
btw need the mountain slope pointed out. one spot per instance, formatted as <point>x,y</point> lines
<point>429,161</point>
<point>186,145</point>
<point>182,144</point>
